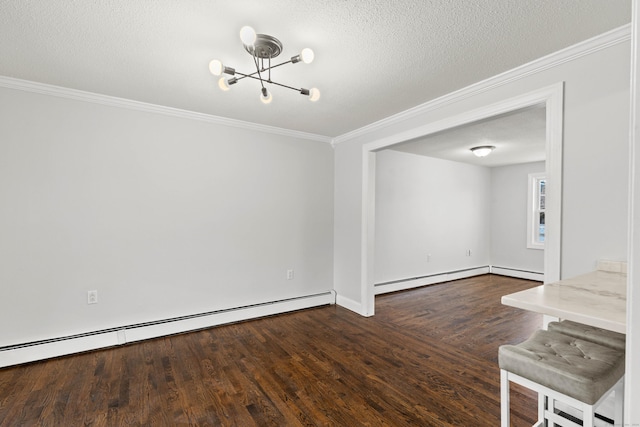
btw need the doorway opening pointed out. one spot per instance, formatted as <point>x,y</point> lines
<point>552,99</point>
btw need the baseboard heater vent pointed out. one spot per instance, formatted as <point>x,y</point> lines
<point>60,346</point>
<point>521,274</point>
<point>415,282</point>
<point>430,275</point>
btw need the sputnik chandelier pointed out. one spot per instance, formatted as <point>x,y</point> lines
<point>262,48</point>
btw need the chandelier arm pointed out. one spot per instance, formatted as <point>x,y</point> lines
<point>255,60</point>
<point>242,76</point>
<point>262,81</point>
<point>277,65</point>
<point>283,85</point>
<point>251,76</point>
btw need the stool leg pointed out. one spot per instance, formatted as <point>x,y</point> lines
<point>542,406</point>
<point>504,398</point>
<point>587,416</point>
<point>618,402</point>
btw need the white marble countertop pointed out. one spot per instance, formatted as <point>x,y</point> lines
<point>598,299</point>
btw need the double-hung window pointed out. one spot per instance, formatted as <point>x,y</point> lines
<point>536,227</point>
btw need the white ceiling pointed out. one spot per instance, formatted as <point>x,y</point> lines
<point>518,137</point>
<point>374,58</point>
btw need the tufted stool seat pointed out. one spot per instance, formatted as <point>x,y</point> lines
<point>589,333</point>
<point>577,372</point>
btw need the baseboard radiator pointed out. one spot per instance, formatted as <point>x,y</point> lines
<point>416,282</point>
<point>520,274</point>
<point>61,346</point>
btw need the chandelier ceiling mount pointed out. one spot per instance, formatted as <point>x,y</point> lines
<point>265,47</point>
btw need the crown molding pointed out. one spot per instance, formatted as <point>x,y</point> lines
<point>112,101</point>
<point>587,47</point>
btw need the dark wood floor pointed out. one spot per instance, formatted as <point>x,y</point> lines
<point>427,358</point>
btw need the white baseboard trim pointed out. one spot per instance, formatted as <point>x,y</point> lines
<point>47,349</point>
<point>402,285</point>
<point>32,353</point>
<point>519,274</point>
<point>384,288</point>
<point>349,304</point>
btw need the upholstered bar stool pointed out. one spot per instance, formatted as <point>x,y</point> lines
<point>589,333</point>
<point>599,336</point>
<point>561,368</point>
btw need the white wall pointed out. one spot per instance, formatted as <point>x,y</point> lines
<point>427,206</point>
<point>509,191</point>
<point>596,105</point>
<point>163,216</point>
<point>347,225</point>
<point>596,161</point>
<point>632,370</point>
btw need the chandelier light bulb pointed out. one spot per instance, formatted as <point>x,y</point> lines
<point>307,55</point>
<point>223,85</point>
<point>248,35</point>
<point>266,97</point>
<point>314,94</point>
<point>216,67</point>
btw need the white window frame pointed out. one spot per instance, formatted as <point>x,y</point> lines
<point>533,211</point>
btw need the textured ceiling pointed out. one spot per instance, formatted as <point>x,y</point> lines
<point>374,58</point>
<point>518,137</point>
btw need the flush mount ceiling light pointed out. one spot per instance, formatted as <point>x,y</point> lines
<point>482,150</point>
<point>263,49</point>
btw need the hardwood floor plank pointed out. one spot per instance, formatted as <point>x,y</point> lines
<point>428,357</point>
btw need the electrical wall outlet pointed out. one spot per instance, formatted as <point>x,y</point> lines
<point>290,274</point>
<point>92,297</point>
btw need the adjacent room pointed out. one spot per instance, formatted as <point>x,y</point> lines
<point>443,213</point>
